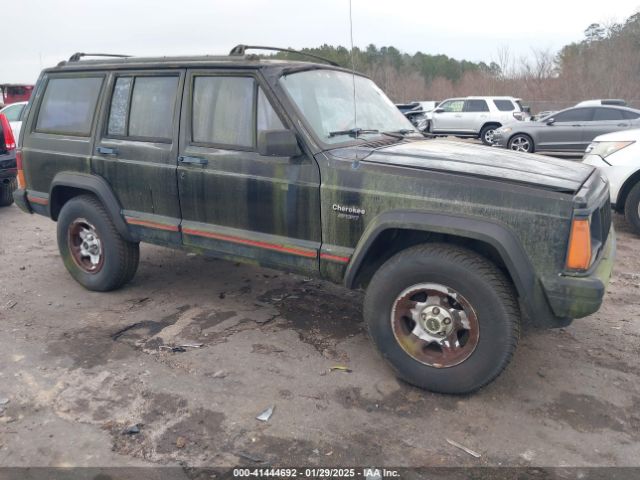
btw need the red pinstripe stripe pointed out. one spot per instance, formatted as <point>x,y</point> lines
<point>334,258</point>
<point>146,223</point>
<point>252,243</point>
<point>38,200</point>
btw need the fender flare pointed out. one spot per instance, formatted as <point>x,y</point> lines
<point>101,189</point>
<point>495,234</point>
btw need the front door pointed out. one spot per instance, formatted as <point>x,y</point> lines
<point>138,148</point>
<point>236,203</point>
<point>450,120</point>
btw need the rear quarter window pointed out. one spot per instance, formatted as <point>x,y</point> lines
<point>68,106</point>
<point>504,105</point>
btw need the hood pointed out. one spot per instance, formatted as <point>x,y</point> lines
<point>620,136</point>
<point>486,162</point>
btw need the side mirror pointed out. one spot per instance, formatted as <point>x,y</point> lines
<point>439,110</point>
<point>278,143</point>
<point>550,121</point>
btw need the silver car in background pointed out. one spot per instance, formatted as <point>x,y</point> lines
<point>570,130</point>
<point>475,117</point>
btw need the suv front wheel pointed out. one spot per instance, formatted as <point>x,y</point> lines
<point>444,317</point>
<point>93,251</point>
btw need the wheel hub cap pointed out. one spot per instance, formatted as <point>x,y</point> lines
<point>435,325</point>
<point>85,246</point>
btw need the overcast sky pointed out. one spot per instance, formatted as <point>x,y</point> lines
<point>39,33</point>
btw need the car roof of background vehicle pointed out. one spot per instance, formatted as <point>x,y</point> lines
<point>12,105</point>
<point>611,107</point>
<point>615,102</point>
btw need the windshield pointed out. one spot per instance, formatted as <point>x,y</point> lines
<point>325,99</point>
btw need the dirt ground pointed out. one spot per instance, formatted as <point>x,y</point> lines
<point>80,368</point>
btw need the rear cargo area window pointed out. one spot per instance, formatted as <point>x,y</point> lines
<point>68,106</point>
<point>222,111</point>
<point>504,105</point>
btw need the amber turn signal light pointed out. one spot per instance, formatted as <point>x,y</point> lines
<point>579,254</point>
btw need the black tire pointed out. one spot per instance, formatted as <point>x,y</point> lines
<point>6,192</point>
<point>632,208</point>
<point>477,280</point>
<point>118,258</point>
<point>514,143</point>
<point>487,133</point>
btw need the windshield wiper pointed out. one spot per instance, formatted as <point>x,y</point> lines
<point>402,131</point>
<point>354,132</point>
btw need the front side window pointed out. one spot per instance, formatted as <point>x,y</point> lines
<point>325,98</point>
<point>575,115</point>
<point>68,105</point>
<point>222,111</point>
<point>452,106</point>
<point>267,117</point>
<point>143,107</point>
<point>476,106</point>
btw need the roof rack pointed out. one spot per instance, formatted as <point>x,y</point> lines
<point>241,49</point>
<point>78,55</point>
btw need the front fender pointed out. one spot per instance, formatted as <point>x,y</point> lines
<point>495,234</point>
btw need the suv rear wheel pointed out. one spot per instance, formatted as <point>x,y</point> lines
<point>486,134</point>
<point>93,251</point>
<point>6,191</point>
<point>632,208</point>
<point>445,318</point>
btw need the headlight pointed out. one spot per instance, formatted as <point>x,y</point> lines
<point>604,149</point>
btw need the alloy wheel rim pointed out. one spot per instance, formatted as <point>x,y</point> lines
<point>435,325</point>
<point>520,144</point>
<point>85,246</point>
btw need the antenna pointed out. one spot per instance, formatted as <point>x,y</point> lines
<point>353,70</point>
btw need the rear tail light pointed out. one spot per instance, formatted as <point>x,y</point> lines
<point>579,252</point>
<point>518,115</point>
<point>21,181</point>
<point>9,140</point>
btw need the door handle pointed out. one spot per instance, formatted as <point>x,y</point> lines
<point>107,151</point>
<point>623,124</point>
<point>193,160</point>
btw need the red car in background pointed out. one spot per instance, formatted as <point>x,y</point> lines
<point>13,92</point>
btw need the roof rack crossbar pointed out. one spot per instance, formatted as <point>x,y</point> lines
<point>78,55</point>
<point>241,49</point>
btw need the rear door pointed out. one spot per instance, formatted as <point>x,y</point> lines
<point>474,115</point>
<point>567,131</point>
<point>450,119</point>
<point>605,120</point>
<point>236,203</point>
<point>137,150</point>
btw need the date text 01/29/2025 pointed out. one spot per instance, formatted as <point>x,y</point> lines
<point>367,473</point>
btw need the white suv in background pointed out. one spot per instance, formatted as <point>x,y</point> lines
<point>476,117</point>
<point>617,156</point>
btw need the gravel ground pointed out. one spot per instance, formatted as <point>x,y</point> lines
<point>79,368</point>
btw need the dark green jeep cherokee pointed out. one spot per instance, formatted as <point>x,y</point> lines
<point>309,168</point>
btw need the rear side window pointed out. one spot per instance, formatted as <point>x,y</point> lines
<point>504,105</point>
<point>13,112</point>
<point>608,114</point>
<point>629,115</point>
<point>68,106</point>
<point>476,106</point>
<point>143,107</point>
<point>222,111</point>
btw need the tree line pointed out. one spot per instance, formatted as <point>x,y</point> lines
<point>604,64</point>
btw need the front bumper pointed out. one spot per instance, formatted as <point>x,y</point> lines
<point>577,297</point>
